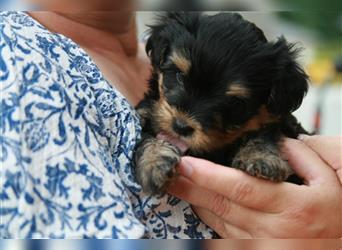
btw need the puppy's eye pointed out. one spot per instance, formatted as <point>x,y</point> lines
<point>180,77</point>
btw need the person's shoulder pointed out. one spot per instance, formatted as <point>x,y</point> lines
<point>18,20</point>
<point>17,32</point>
<point>24,39</point>
<point>16,29</point>
<point>16,25</point>
<point>25,42</point>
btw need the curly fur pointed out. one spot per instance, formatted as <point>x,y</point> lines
<point>222,88</point>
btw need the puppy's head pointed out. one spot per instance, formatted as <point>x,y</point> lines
<point>219,77</point>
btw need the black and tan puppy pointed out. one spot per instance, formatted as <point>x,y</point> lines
<point>219,91</point>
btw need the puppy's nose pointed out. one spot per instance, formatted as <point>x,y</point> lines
<point>181,127</point>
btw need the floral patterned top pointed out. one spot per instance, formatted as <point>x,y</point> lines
<point>67,138</point>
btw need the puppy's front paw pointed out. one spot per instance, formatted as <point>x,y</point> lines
<point>270,167</point>
<point>156,162</point>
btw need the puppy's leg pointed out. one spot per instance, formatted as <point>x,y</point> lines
<point>155,164</point>
<point>261,158</point>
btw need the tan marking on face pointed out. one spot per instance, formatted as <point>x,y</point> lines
<point>213,139</point>
<point>201,141</point>
<point>164,114</point>
<point>238,90</point>
<point>219,139</point>
<point>182,63</point>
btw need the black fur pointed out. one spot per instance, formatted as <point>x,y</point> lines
<point>223,50</point>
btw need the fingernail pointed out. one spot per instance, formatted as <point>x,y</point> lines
<point>302,137</point>
<point>186,167</point>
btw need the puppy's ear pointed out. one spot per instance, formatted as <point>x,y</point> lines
<point>157,46</point>
<point>169,27</point>
<point>290,81</point>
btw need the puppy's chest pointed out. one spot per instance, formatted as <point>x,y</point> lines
<point>222,156</point>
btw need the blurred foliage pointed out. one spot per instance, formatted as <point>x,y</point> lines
<point>324,19</point>
<point>322,70</point>
<point>321,16</point>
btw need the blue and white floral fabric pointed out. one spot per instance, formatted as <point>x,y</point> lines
<point>66,141</point>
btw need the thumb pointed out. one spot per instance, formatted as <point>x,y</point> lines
<point>306,163</point>
<point>329,148</point>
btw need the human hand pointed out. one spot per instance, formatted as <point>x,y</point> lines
<point>329,148</point>
<point>237,205</point>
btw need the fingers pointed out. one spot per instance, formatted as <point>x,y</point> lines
<point>234,214</point>
<point>222,228</point>
<point>329,148</point>
<point>306,163</point>
<point>339,174</point>
<point>239,187</point>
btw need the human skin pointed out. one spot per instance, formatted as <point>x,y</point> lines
<point>234,204</point>
<point>83,5</point>
<point>329,148</point>
<point>110,38</point>
<point>237,205</point>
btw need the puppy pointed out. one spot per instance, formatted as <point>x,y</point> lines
<point>219,91</point>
